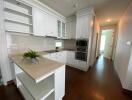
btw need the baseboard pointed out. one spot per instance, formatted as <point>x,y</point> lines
<point>10,82</point>
<point>127,92</point>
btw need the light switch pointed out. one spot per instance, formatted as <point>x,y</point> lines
<point>128,43</point>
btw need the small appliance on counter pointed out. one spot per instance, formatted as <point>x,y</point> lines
<point>58,45</point>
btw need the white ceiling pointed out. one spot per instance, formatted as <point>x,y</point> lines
<point>104,9</point>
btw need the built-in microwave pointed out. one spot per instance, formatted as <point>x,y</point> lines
<point>82,42</point>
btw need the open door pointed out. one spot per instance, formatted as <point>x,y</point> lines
<point>106,46</point>
<point>1,81</point>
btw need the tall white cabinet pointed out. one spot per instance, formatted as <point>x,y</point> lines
<point>84,24</point>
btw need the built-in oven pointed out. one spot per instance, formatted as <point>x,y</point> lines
<point>81,49</point>
<point>81,56</point>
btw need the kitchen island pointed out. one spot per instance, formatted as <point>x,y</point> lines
<point>44,80</point>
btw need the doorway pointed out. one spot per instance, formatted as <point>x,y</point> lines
<point>106,45</point>
<point>1,81</point>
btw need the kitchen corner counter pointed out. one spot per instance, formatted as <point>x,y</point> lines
<point>38,71</point>
<point>53,51</point>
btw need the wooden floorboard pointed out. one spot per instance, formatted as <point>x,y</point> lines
<point>99,83</point>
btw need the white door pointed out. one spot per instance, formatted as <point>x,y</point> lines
<point>109,35</point>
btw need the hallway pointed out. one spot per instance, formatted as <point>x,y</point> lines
<point>99,83</point>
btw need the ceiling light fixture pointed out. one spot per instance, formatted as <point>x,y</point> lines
<point>108,20</point>
<point>75,3</point>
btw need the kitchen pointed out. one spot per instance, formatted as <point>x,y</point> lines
<point>30,24</point>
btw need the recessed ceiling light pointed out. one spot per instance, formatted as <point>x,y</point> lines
<point>108,20</point>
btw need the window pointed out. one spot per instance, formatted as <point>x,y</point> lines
<point>58,44</point>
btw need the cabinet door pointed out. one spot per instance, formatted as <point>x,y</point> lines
<point>52,26</point>
<point>68,30</point>
<point>78,27</point>
<point>59,28</point>
<point>81,65</point>
<point>73,35</point>
<point>63,57</point>
<point>63,30</point>
<point>39,22</point>
<point>71,57</point>
<point>60,83</point>
<point>84,24</point>
<point>71,30</point>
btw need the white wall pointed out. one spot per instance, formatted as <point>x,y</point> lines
<point>95,47</point>
<point>4,61</point>
<point>123,51</point>
<point>128,79</point>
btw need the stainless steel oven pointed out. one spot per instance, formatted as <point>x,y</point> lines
<point>81,43</point>
<point>81,49</point>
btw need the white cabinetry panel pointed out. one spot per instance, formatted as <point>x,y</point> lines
<point>84,26</point>
<point>16,27</point>
<point>15,17</point>
<point>44,24</point>
<point>60,83</point>
<point>71,30</point>
<point>39,22</point>
<point>52,26</point>
<point>18,17</point>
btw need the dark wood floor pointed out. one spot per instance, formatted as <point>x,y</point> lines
<point>99,83</point>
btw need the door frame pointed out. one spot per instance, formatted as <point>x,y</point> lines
<point>115,28</point>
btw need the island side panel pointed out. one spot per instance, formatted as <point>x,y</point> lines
<point>60,83</point>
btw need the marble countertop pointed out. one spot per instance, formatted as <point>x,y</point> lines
<point>40,69</point>
<point>37,70</point>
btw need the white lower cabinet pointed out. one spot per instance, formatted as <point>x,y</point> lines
<point>81,65</point>
<point>57,56</point>
<point>51,88</point>
<point>68,57</point>
<point>71,58</point>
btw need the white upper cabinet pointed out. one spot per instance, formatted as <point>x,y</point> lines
<point>17,17</point>
<point>33,17</point>
<point>52,26</point>
<point>39,22</point>
<point>84,24</point>
<point>61,29</point>
<point>71,29</point>
<point>44,24</point>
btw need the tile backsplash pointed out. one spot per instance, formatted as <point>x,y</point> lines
<point>23,43</point>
